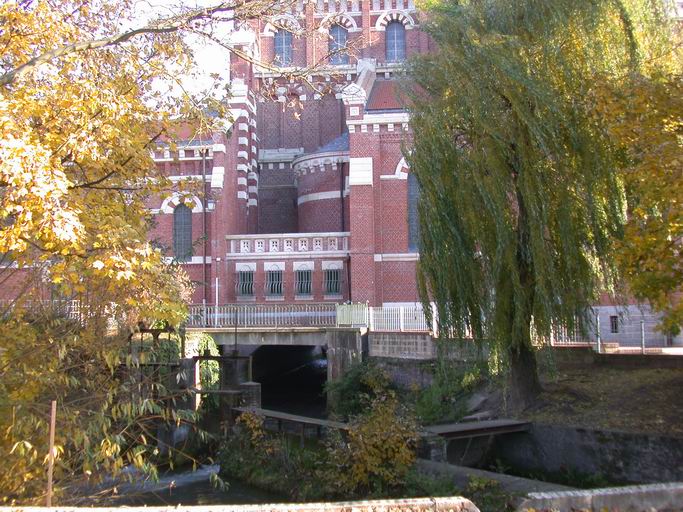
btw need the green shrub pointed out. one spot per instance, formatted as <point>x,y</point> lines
<point>351,394</point>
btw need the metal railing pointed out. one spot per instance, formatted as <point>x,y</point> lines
<point>72,309</point>
<point>384,319</point>
<point>263,315</point>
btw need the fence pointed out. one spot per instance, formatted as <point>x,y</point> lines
<point>263,315</point>
<point>72,309</point>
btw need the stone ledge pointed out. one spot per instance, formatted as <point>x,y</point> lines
<point>635,498</point>
<point>451,504</point>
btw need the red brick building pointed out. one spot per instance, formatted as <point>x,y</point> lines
<point>306,196</point>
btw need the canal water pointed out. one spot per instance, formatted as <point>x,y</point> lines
<point>190,488</point>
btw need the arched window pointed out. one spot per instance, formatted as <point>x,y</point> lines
<point>283,47</point>
<point>413,220</point>
<point>338,38</point>
<point>395,42</point>
<point>182,233</point>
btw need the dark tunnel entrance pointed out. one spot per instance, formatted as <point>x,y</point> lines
<point>292,378</point>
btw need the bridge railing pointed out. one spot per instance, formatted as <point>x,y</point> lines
<point>263,315</point>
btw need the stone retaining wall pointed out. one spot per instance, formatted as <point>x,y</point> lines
<point>635,498</point>
<point>617,456</point>
<point>452,504</point>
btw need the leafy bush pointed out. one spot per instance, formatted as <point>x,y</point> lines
<point>444,399</point>
<point>354,391</point>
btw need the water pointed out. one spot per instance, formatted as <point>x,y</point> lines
<point>191,488</point>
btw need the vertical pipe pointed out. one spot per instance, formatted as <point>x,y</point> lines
<point>216,306</point>
<point>642,336</point>
<point>597,320</point>
<point>51,453</point>
<point>205,280</point>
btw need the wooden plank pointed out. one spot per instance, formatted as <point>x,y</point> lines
<point>477,428</point>
<point>283,416</point>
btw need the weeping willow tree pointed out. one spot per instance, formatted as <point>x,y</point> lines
<point>521,198</point>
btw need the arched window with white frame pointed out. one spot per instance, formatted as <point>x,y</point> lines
<point>395,41</point>
<point>337,47</point>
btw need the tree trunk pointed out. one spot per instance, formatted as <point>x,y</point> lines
<point>524,385</point>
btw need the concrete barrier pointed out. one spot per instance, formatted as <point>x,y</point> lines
<point>636,498</point>
<point>450,504</point>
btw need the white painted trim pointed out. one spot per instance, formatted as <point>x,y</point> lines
<point>303,265</point>
<point>245,267</point>
<point>398,173</point>
<point>360,171</point>
<point>169,204</point>
<point>196,260</point>
<point>394,15</point>
<point>189,177</point>
<point>274,265</point>
<point>289,235</point>
<point>342,18</point>
<point>279,154</point>
<point>404,256</point>
<point>332,265</point>
<point>385,118</point>
<point>217,176</point>
<point>318,196</point>
<point>283,20</point>
<point>288,255</point>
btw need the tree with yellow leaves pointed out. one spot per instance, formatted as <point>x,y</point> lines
<point>79,115</point>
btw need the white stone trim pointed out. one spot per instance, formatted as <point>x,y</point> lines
<point>241,194</point>
<point>243,127</point>
<point>360,171</point>
<point>169,204</point>
<point>189,177</point>
<point>245,267</point>
<point>242,182</point>
<point>274,265</point>
<point>196,260</point>
<point>399,174</point>
<point>286,21</point>
<point>288,255</point>
<point>243,154</point>
<point>340,18</point>
<point>217,176</point>
<point>318,196</point>
<point>242,141</point>
<point>279,154</point>
<point>385,118</point>
<point>404,256</point>
<point>394,15</point>
<point>252,202</point>
<point>288,235</point>
<point>242,167</point>
<point>332,265</point>
<point>252,189</point>
<point>303,265</point>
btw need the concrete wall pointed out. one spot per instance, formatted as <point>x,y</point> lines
<point>618,456</point>
<point>453,504</point>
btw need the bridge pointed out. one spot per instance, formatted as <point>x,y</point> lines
<point>307,316</point>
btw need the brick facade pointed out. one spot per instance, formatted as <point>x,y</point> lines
<point>285,168</point>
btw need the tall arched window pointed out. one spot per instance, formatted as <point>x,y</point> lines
<point>395,42</point>
<point>283,47</point>
<point>182,233</point>
<point>413,220</point>
<point>338,38</point>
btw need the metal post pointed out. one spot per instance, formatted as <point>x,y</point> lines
<point>401,318</point>
<point>597,316</point>
<point>642,336</point>
<point>51,453</point>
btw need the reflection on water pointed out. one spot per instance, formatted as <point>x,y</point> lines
<point>191,488</point>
